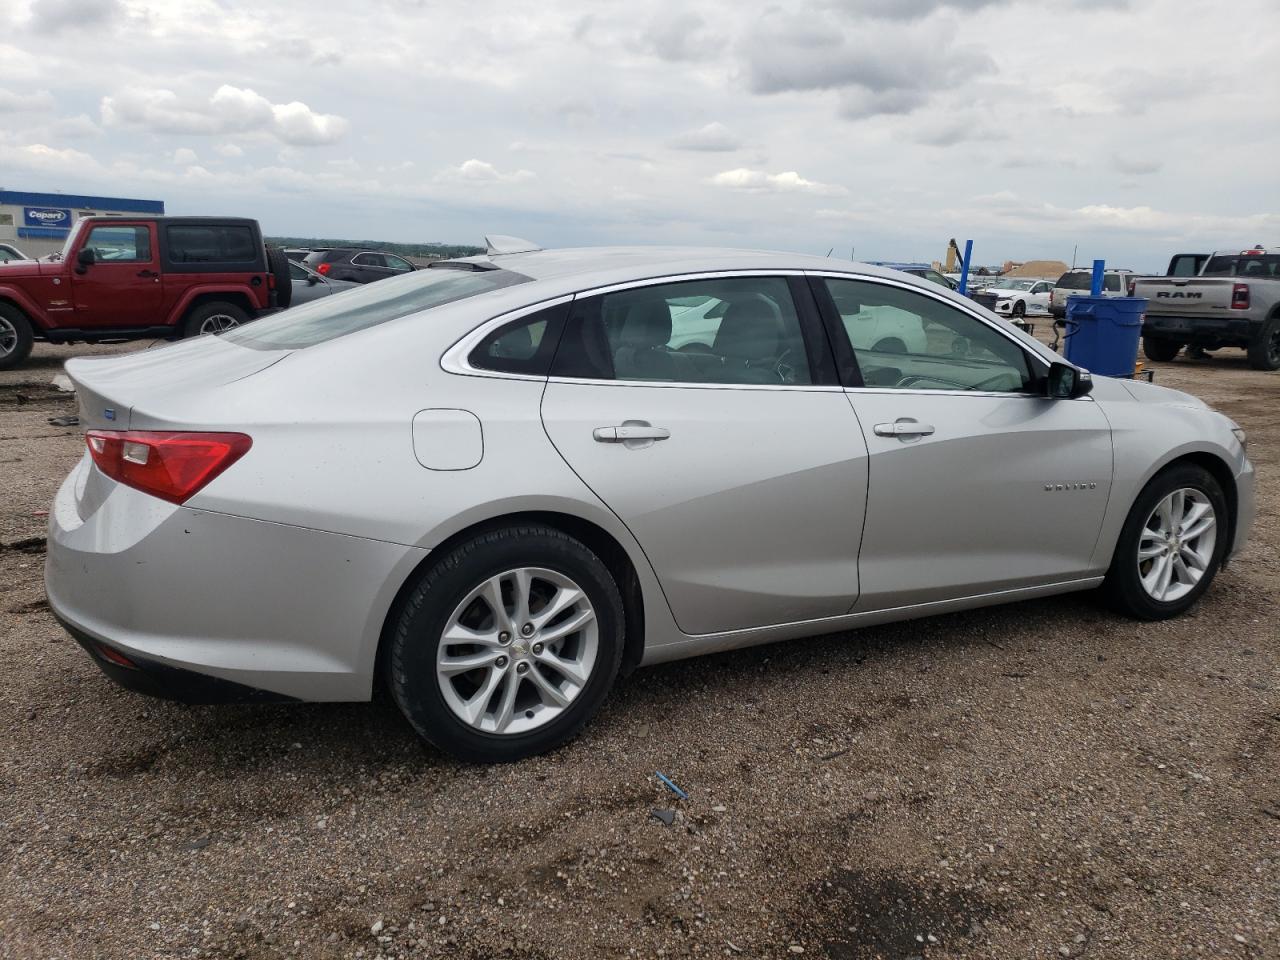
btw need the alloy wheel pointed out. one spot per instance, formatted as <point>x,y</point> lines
<point>8,337</point>
<point>517,651</point>
<point>1176,545</point>
<point>217,322</point>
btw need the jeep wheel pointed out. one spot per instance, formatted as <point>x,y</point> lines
<point>213,317</point>
<point>1158,348</point>
<point>15,336</point>
<point>1264,349</point>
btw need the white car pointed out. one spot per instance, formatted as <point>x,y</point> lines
<point>1018,298</point>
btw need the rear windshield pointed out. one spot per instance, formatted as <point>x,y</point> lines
<point>1076,280</point>
<point>358,309</point>
<point>1264,266</point>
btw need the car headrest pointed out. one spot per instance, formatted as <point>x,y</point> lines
<point>648,324</point>
<point>748,330</point>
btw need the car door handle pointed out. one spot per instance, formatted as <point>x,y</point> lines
<point>147,273</point>
<point>630,431</point>
<point>904,427</point>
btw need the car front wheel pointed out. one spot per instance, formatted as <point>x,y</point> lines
<point>1160,348</point>
<point>507,645</point>
<point>1171,545</point>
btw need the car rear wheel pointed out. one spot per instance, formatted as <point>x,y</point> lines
<point>1160,348</point>
<point>15,336</point>
<point>508,645</point>
<point>1171,545</point>
<point>1264,350</point>
<point>213,317</point>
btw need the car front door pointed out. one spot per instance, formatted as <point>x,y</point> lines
<point>977,482</point>
<point>122,288</point>
<point>706,414</point>
<point>1038,297</point>
<point>369,267</point>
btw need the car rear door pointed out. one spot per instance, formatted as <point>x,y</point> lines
<point>977,482</point>
<point>371,266</point>
<point>122,289</point>
<point>705,412</point>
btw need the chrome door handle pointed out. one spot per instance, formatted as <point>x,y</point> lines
<point>904,427</point>
<point>630,431</point>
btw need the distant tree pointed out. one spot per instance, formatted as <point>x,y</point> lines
<point>424,251</point>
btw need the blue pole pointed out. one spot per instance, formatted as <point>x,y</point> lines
<point>1095,288</point>
<point>964,268</point>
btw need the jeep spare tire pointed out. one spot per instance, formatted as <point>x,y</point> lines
<point>278,265</point>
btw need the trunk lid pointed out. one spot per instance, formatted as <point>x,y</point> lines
<point>111,389</point>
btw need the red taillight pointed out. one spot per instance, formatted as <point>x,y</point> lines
<point>171,466</point>
<point>1239,296</point>
<point>323,268</point>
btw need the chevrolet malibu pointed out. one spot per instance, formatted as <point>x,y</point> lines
<point>495,484</point>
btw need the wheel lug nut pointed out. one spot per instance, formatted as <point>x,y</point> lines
<point>527,629</point>
<point>522,667</point>
<point>504,637</point>
<point>501,662</point>
<point>537,649</point>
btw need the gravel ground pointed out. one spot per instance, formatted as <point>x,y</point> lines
<point>1038,780</point>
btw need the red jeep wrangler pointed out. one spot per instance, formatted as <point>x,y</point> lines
<point>135,278</point>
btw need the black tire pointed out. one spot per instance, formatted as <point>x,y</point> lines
<point>1160,348</point>
<point>890,345</point>
<point>278,265</point>
<point>1123,585</point>
<point>1264,348</point>
<point>1020,309</point>
<point>416,632</point>
<point>202,313</point>
<point>15,337</point>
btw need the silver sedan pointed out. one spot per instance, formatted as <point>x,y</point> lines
<point>495,484</point>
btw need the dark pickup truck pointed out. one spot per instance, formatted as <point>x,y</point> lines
<point>132,278</point>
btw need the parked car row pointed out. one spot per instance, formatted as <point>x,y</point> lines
<point>135,278</point>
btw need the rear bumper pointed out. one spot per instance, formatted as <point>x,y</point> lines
<point>216,607</point>
<point>1239,328</point>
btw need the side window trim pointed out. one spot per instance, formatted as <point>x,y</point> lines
<point>455,359</point>
<point>851,375</point>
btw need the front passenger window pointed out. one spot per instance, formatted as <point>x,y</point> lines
<point>906,340</point>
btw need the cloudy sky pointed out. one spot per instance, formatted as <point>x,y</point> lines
<point>1133,128</point>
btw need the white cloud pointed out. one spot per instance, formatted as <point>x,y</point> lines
<point>757,181</point>
<point>14,102</point>
<point>229,150</point>
<point>479,171</point>
<point>185,157</point>
<point>79,127</point>
<point>713,138</point>
<point>229,110</point>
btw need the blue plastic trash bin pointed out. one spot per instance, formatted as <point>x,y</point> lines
<point>1103,332</point>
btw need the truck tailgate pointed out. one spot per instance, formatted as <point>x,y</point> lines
<point>1191,296</point>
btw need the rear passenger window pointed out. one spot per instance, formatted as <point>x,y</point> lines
<point>737,330</point>
<point>522,346</point>
<point>220,243</point>
<point>1111,282</point>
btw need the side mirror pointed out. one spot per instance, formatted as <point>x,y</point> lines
<point>86,258</point>
<point>1066,382</point>
<point>312,279</point>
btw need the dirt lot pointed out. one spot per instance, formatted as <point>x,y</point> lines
<point>1040,780</point>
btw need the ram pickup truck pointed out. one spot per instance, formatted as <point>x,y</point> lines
<point>132,278</point>
<point>1234,301</point>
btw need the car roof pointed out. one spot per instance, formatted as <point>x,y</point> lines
<point>604,265</point>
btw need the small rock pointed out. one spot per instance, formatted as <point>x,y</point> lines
<point>668,817</point>
<point>796,948</point>
<point>1065,951</point>
<point>376,928</point>
<point>719,808</point>
<point>1239,938</point>
<point>332,938</point>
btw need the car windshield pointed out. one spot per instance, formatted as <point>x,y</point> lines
<point>1265,266</point>
<point>1012,284</point>
<point>390,299</point>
